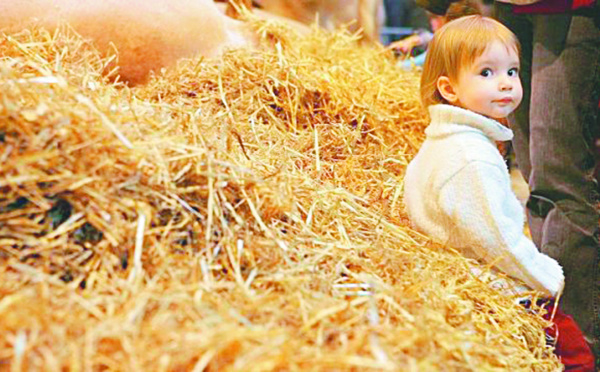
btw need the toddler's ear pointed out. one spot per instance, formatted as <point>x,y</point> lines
<point>444,86</point>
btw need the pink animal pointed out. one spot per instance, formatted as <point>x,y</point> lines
<point>148,34</point>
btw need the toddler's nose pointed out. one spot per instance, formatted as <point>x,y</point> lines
<point>505,87</point>
<point>504,84</point>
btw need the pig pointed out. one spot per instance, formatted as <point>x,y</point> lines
<point>148,34</point>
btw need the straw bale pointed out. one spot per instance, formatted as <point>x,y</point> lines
<point>234,215</point>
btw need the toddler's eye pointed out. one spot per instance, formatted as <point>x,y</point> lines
<point>513,72</point>
<point>486,72</point>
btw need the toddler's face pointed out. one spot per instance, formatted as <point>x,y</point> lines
<point>491,85</point>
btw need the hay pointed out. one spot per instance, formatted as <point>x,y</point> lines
<point>235,215</point>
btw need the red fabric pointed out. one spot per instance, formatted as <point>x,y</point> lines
<point>571,347</point>
<point>582,3</point>
<point>544,7</point>
<point>553,6</point>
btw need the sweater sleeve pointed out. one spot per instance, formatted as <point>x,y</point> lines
<point>477,200</point>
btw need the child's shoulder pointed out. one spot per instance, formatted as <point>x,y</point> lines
<point>473,145</point>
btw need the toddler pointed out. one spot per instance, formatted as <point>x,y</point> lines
<point>457,189</point>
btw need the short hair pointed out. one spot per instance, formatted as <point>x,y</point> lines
<point>455,46</point>
<point>463,8</point>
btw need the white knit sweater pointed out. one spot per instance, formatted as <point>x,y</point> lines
<point>457,191</point>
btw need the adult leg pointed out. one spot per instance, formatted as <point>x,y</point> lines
<point>563,216</point>
<point>521,26</point>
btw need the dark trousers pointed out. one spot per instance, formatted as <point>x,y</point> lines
<point>554,129</point>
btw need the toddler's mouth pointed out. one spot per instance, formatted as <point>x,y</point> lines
<point>505,101</point>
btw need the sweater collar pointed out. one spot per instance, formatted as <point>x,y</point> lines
<point>448,119</point>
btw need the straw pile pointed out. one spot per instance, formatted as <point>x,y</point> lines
<point>241,214</point>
